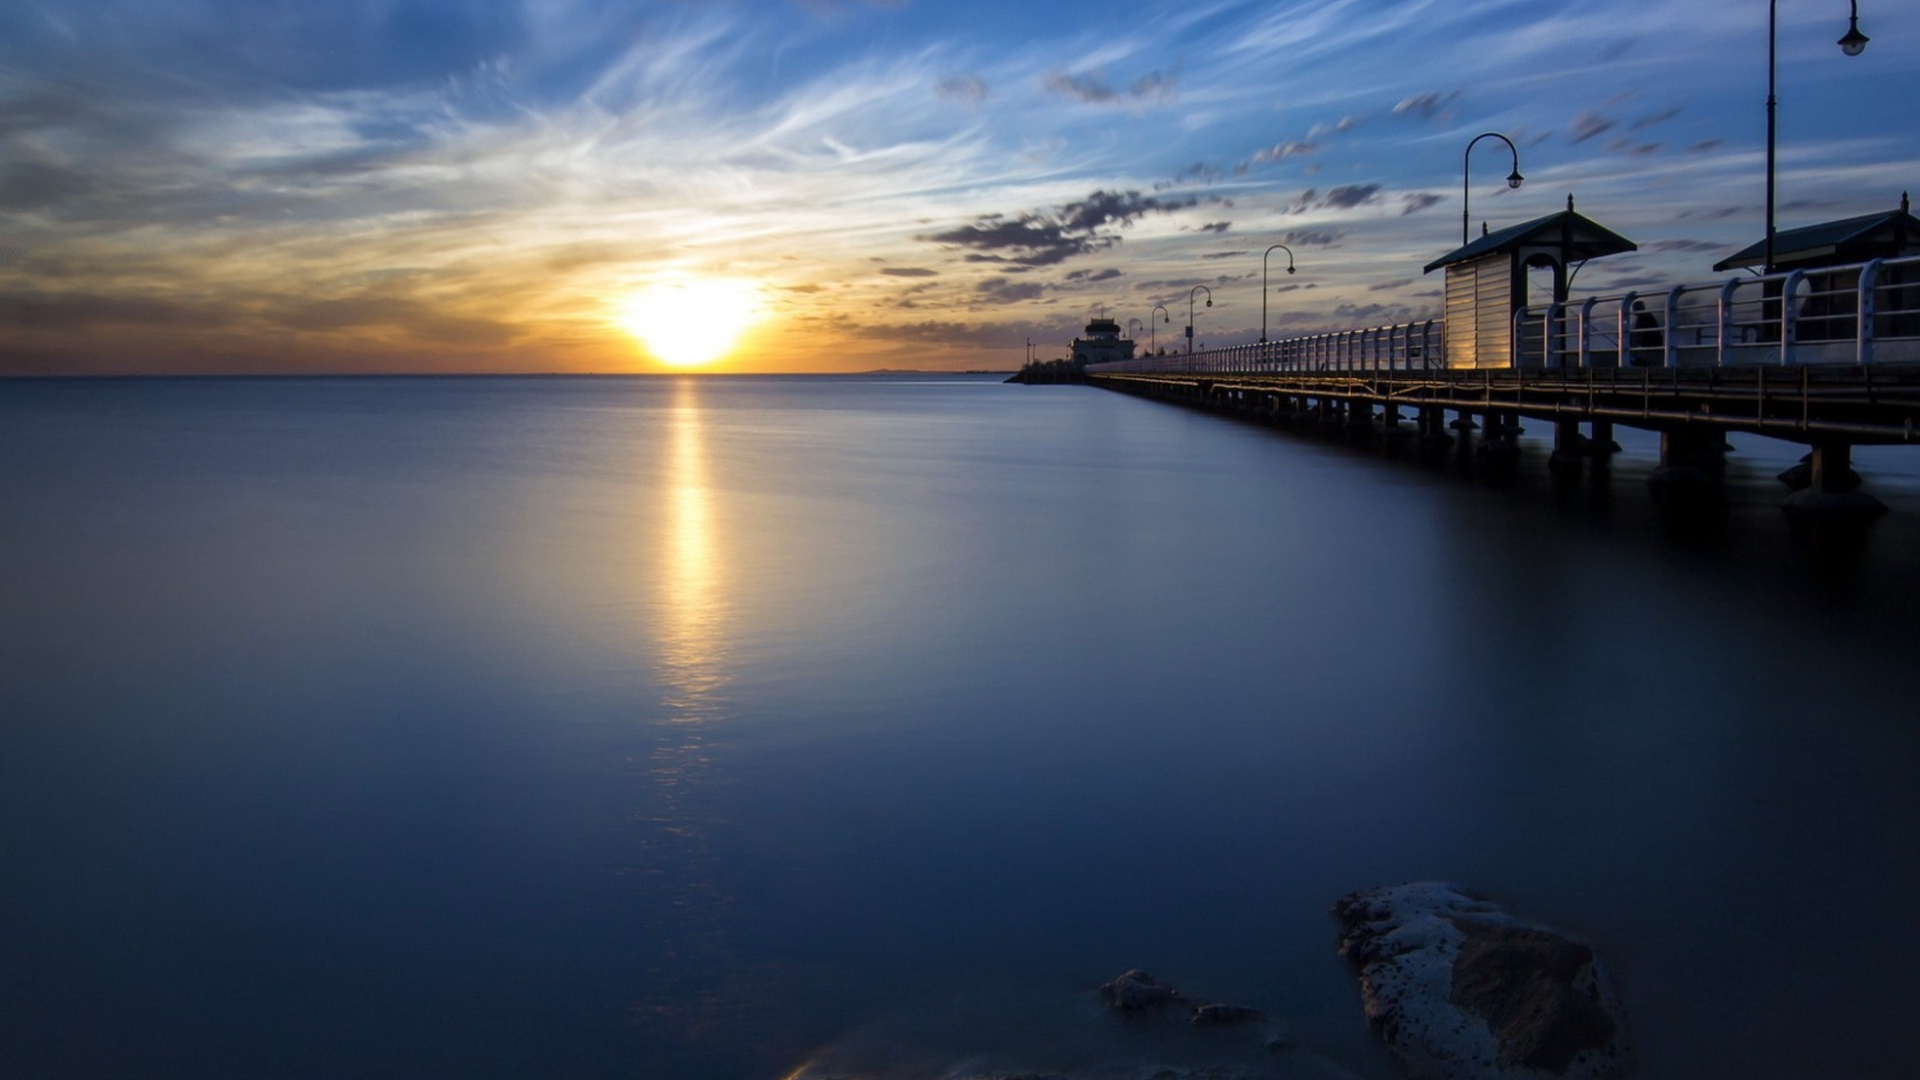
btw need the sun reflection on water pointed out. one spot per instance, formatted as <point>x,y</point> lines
<point>681,998</point>
<point>693,608</point>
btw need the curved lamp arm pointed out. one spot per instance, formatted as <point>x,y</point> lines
<point>1513,178</point>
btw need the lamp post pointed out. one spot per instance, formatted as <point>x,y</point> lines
<point>1133,327</point>
<point>1513,178</point>
<point>1853,44</point>
<point>1263,284</point>
<point>1153,338</point>
<point>1190,292</point>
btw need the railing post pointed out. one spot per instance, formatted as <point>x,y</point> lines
<point>1669,352</point>
<point>1789,317</point>
<point>1621,330</point>
<point>1863,307</point>
<point>1726,317</point>
<point>1585,352</point>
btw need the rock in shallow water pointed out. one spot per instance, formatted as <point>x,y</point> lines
<point>1461,990</point>
<point>1136,991</point>
<point>1139,1029</point>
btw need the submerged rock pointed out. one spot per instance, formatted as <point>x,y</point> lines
<point>1136,1028</point>
<point>1136,991</point>
<point>1461,990</point>
<point>1207,1015</point>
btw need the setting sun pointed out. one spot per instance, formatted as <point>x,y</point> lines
<point>688,323</point>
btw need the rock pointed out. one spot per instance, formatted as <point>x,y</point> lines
<point>1460,990</point>
<point>965,1035</point>
<point>1226,1014</point>
<point>1136,991</point>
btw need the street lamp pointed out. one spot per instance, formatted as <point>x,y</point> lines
<point>1133,327</point>
<point>1263,284</point>
<point>1153,338</point>
<point>1190,292</point>
<point>1853,44</point>
<point>1513,178</point>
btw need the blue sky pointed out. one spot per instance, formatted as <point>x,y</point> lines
<point>428,185</point>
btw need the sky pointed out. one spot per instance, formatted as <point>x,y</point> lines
<point>374,186</point>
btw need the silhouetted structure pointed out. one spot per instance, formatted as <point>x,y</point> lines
<point>1487,280</point>
<point>1886,235</point>
<point>1830,308</point>
<point>1102,344</point>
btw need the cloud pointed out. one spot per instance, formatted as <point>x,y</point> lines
<point>1002,291</point>
<point>1285,150</point>
<point>1154,85</point>
<point>1424,106</point>
<point>909,271</point>
<point>1385,285</point>
<point>1088,88</point>
<point>1216,226</point>
<point>1093,89</point>
<point>33,185</point>
<point>1344,197</point>
<point>1338,127</point>
<point>29,309</point>
<point>1095,275</point>
<point>1045,239</point>
<point>1359,315</point>
<point>422,321</point>
<point>1590,125</point>
<point>1657,118</point>
<point>1224,254</point>
<point>967,89</point>
<point>1681,245</point>
<point>1418,201</point>
<point>1704,145</point>
<point>930,330</point>
<point>1312,237</point>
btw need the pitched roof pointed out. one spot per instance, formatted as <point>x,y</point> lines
<point>1581,236</point>
<point>1828,238</point>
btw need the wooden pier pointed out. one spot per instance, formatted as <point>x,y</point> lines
<point>1829,409</point>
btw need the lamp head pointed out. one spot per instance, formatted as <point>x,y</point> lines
<point>1514,178</point>
<point>1855,42</point>
<point>1209,301</point>
<point>1289,269</point>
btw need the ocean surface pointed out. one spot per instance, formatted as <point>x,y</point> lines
<point>699,727</point>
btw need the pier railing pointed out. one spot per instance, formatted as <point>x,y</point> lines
<point>1861,314</point>
<point>1414,346</point>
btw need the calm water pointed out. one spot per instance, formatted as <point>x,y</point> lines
<point>679,728</point>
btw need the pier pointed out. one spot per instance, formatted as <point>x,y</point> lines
<point>1827,356</point>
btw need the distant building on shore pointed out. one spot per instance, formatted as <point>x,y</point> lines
<point>1101,344</point>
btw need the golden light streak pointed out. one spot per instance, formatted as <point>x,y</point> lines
<point>693,630</point>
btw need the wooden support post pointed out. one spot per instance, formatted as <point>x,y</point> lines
<point>1600,440</point>
<point>1570,450</point>
<point>1690,466</point>
<point>1833,496</point>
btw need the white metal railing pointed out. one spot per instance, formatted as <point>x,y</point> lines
<point>1862,313</point>
<point>1415,346</point>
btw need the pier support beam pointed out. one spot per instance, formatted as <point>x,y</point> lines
<point>1500,442</point>
<point>1600,439</point>
<point>1570,450</point>
<point>1691,463</point>
<point>1832,493</point>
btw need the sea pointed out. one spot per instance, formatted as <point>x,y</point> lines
<point>726,727</point>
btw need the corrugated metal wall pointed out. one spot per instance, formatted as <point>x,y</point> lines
<point>1480,313</point>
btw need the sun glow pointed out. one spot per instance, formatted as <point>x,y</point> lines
<point>692,322</point>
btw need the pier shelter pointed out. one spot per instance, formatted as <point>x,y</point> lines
<point>1829,259</point>
<point>1102,343</point>
<point>1487,280</point>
